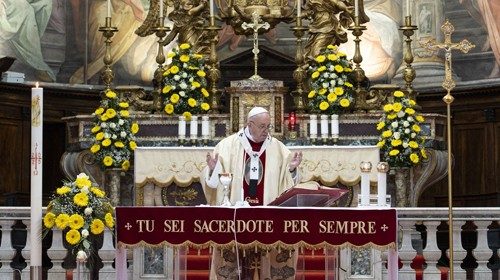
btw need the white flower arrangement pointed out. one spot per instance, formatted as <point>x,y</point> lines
<point>400,141</point>
<point>113,132</point>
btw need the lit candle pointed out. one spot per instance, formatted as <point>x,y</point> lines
<point>356,8</point>
<point>292,120</point>
<point>193,128</point>
<point>335,125</point>
<point>407,8</point>
<point>161,8</point>
<point>366,168</point>
<point>109,8</point>
<point>205,127</point>
<point>324,126</point>
<point>382,168</point>
<point>36,176</point>
<point>313,126</point>
<point>182,127</point>
<point>212,8</point>
<point>299,8</point>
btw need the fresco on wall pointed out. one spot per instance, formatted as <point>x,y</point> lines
<point>50,41</point>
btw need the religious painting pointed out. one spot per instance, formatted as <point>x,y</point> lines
<point>426,19</point>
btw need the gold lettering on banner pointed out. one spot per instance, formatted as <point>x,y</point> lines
<point>229,226</point>
<point>295,226</point>
<point>148,224</point>
<point>173,226</point>
<point>347,227</point>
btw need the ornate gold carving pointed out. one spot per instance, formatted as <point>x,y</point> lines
<point>375,98</point>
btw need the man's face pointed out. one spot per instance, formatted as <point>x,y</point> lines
<point>259,126</point>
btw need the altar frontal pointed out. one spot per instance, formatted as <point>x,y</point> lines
<point>265,227</point>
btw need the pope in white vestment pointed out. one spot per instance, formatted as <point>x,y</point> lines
<point>262,168</point>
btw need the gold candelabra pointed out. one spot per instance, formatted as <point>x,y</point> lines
<point>214,73</point>
<point>108,31</point>
<point>160,31</point>
<point>408,72</point>
<point>359,73</point>
<point>299,74</point>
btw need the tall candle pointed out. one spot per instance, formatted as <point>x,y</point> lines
<point>313,126</point>
<point>407,8</point>
<point>212,8</point>
<point>205,127</point>
<point>182,127</point>
<point>366,168</point>
<point>161,8</point>
<point>109,9</point>
<point>324,126</point>
<point>36,178</point>
<point>382,168</point>
<point>299,8</point>
<point>335,125</point>
<point>356,8</point>
<point>193,128</point>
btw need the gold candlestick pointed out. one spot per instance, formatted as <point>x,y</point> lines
<point>214,73</point>
<point>108,31</point>
<point>359,73</point>
<point>409,72</point>
<point>299,75</point>
<point>160,31</point>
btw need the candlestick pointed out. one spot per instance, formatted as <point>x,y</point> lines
<point>212,8</point>
<point>407,8</point>
<point>182,127</point>
<point>161,8</point>
<point>193,128</point>
<point>109,8</point>
<point>382,168</point>
<point>324,126</point>
<point>205,127</point>
<point>356,8</point>
<point>313,126</point>
<point>366,168</point>
<point>36,180</point>
<point>299,8</point>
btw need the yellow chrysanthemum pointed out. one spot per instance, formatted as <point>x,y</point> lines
<point>413,144</point>
<point>187,115</point>
<point>380,125</point>
<point>396,142</point>
<point>76,221</point>
<point>174,98</point>
<point>423,153</point>
<point>95,129</point>
<point>171,54</point>
<point>174,69</point>
<point>110,113</point>
<point>184,46</point>
<point>331,97</point>
<point>104,118</point>
<point>195,84</point>
<point>344,102</point>
<point>192,102</point>
<point>98,192</point>
<point>419,118</point>
<point>315,75</point>
<point>409,111</point>
<point>197,56</point>
<point>414,158</point>
<point>322,91</point>
<point>62,221</point>
<point>132,145</point>
<point>81,199</point>
<point>111,94</point>
<point>97,226</point>
<point>134,128</point>
<point>107,160</point>
<point>391,116</point>
<point>387,134</point>
<point>324,105</point>
<point>106,142</point>
<point>398,93</point>
<point>397,107</point>
<point>83,182</point>
<point>169,108</point>
<point>311,94</point>
<point>124,113</point>
<point>416,128</point>
<point>184,58</point>
<point>166,89</point>
<point>205,93</point>
<point>123,104</point>
<point>99,111</point>
<point>108,219</point>
<point>339,68</point>
<point>125,165</point>
<point>394,152</point>
<point>347,84</point>
<point>49,220</point>
<point>73,236</point>
<point>412,102</point>
<point>380,144</point>
<point>119,144</point>
<point>201,73</point>
<point>332,57</point>
<point>338,91</point>
<point>205,106</point>
<point>322,68</point>
<point>63,190</point>
<point>331,47</point>
<point>320,58</point>
<point>387,107</point>
<point>99,136</point>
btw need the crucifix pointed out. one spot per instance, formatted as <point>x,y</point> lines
<point>448,84</point>
<point>256,25</point>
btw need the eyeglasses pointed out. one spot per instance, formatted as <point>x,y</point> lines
<point>263,126</point>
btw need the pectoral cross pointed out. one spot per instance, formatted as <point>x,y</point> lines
<point>448,84</point>
<point>256,25</point>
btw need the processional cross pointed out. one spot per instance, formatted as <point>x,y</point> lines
<point>465,46</point>
<point>256,25</point>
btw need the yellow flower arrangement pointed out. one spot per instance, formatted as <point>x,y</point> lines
<point>114,140</point>
<point>79,208</point>
<point>400,141</point>
<point>184,83</point>
<point>331,88</point>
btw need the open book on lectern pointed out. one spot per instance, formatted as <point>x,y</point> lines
<point>310,194</point>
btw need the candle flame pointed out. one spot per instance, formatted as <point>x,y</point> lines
<point>36,84</point>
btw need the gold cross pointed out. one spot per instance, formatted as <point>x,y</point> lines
<point>464,46</point>
<point>256,25</point>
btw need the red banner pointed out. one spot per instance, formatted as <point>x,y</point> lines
<point>256,226</point>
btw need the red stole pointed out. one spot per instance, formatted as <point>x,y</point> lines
<point>258,199</point>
